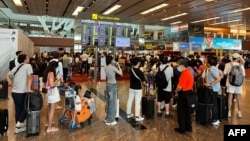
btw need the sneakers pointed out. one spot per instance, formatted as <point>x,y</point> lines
<point>139,119</point>
<point>130,115</point>
<point>239,114</point>
<point>19,130</point>
<point>20,124</point>
<point>174,106</point>
<point>229,114</point>
<point>168,116</point>
<point>216,123</point>
<point>111,123</point>
<point>159,114</point>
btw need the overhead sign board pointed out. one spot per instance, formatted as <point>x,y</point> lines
<point>100,17</point>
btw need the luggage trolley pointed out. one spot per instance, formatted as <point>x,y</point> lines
<point>70,113</point>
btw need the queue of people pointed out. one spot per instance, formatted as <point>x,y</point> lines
<point>181,73</point>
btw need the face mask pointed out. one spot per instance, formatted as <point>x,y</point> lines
<point>179,69</point>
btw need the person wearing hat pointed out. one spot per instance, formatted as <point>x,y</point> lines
<point>237,90</point>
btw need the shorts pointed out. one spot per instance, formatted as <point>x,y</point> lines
<point>234,89</point>
<point>164,96</point>
<point>53,95</point>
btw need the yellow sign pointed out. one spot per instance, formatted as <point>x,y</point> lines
<point>94,16</point>
<point>104,17</point>
<point>148,45</point>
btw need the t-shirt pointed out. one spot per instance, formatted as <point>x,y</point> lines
<point>59,69</point>
<point>210,75</point>
<point>186,80</point>
<point>169,74</point>
<point>84,57</point>
<point>135,83</point>
<point>66,62</point>
<point>20,80</point>
<point>78,104</point>
<point>228,68</point>
<point>176,77</point>
<point>110,73</point>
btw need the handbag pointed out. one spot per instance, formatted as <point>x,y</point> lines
<point>92,105</point>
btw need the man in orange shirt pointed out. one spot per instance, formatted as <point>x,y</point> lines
<point>183,91</point>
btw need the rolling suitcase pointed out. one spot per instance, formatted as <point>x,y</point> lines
<point>222,107</point>
<point>204,108</point>
<point>33,123</point>
<point>4,120</point>
<point>4,90</point>
<point>204,113</point>
<point>148,104</point>
<point>33,119</point>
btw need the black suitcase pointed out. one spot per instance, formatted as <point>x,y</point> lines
<point>4,90</point>
<point>148,103</point>
<point>222,107</point>
<point>33,123</point>
<point>204,113</point>
<point>4,120</point>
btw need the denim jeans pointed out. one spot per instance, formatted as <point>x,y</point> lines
<point>111,102</point>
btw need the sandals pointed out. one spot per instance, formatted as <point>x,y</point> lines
<point>53,129</point>
<point>48,124</point>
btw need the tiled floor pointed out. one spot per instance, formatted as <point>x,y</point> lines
<point>157,129</point>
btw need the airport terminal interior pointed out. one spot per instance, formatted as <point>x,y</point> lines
<point>122,29</point>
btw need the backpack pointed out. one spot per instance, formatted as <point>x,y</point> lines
<point>160,79</point>
<point>236,75</point>
<point>12,64</point>
<point>34,101</point>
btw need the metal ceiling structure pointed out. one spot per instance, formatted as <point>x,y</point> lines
<point>195,9</point>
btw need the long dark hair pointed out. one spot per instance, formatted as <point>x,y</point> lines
<point>50,68</point>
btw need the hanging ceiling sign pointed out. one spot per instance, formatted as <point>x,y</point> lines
<point>100,17</point>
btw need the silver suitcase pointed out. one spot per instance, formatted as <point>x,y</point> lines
<point>33,122</point>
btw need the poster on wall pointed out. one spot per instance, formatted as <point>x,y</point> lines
<point>8,47</point>
<point>196,46</point>
<point>184,46</point>
<point>216,43</point>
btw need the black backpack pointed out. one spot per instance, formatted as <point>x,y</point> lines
<point>34,101</point>
<point>12,64</point>
<point>160,79</point>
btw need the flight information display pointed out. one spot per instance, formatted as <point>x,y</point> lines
<point>102,34</point>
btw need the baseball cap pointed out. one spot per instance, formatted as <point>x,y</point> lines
<point>236,55</point>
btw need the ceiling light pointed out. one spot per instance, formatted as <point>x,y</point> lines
<point>176,22</point>
<point>18,2</point>
<point>225,22</point>
<point>236,25</point>
<point>239,10</point>
<point>209,0</point>
<point>205,20</point>
<point>175,16</point>
<point>154,8</point>
<point>77,10</point>
<point>112,9</point>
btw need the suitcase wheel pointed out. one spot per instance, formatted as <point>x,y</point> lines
<point>72,126</point>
